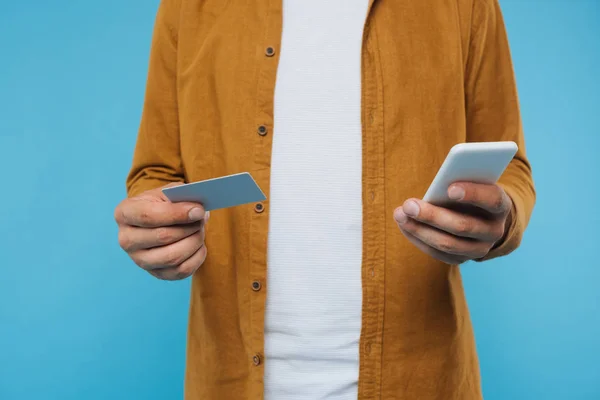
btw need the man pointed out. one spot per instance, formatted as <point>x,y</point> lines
<point>343,284</point>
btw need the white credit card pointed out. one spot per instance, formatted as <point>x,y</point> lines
<point>226,191</point>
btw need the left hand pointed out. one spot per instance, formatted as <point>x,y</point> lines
<point>467,232</point>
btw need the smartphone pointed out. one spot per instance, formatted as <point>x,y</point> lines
<point>481,162</point>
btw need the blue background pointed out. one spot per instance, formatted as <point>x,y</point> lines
<point>79,321</point>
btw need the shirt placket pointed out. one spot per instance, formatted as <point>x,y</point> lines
<point>373,216</point>
<point>267,57</point>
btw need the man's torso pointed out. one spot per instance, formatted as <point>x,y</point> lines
<point>416,340</point>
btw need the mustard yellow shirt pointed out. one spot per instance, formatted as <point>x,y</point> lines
<point>434,73</point>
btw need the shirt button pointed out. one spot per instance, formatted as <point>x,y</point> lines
<point>256,360</point>
<point>269,51</point>
<point>259,208</point>
<point>262,130</point>
<point>256,286</point>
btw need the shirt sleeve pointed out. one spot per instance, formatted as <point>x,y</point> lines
<point>157,158</point>
<point>493,113</point>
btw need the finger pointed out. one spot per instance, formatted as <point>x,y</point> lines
<point>133,238</point>
<point>491,198</point>
<point>444,257</point>
<point>453,222</point>
<point>162,195</point>
<point>185,270</point>
<point>169,256</point>
<point>152,214</point>
<point>443,241</point>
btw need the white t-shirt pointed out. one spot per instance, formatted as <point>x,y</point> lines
<point>314,298</point>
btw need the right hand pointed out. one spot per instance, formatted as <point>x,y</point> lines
<point>166,239</point>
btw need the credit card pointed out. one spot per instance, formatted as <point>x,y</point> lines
<point>223,192</point>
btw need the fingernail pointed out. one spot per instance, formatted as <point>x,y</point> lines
<point>207,216</point>
<point>411,208</point>
<point>400,217</point>
<point>456,193</point>
<point>196,214</point>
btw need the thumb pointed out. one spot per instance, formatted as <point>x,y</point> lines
<point>195,211</point>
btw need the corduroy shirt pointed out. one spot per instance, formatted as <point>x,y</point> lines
<point>434,74</point>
